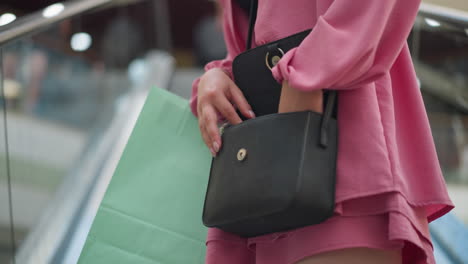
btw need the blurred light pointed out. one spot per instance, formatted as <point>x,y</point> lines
<point>137,71</point>
<point>11,89</point>
<point>431,22</point>
<point>466,31</point>
<point>53,10</point>
<point>81,41</point>
<point>7,18</point>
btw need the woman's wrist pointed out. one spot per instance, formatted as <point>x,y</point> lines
<point>293,100</point>
<point>219,69</point>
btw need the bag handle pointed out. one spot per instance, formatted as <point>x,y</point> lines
<point>331,94</point>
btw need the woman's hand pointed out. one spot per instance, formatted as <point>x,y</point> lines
<point>293,100</point>
<point>217,93</point>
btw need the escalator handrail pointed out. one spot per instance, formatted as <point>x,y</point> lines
<point>36,21</point>
<point>446,14</point>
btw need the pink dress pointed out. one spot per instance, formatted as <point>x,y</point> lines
<point>389,183</point>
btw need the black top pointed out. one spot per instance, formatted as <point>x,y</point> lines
<point>245,5</point>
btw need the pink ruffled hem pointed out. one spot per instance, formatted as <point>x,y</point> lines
<point>384,221</point>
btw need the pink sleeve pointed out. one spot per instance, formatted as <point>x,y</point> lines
<point>353,43</point>
<point>234,32</point>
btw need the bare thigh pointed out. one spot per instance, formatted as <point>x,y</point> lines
<point>355,256</point>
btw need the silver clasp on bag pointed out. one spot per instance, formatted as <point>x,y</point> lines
<point>242,154</point>
<point>274,60</point>
<point>222,127</point>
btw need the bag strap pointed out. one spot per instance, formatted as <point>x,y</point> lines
<point>252,19</point>
<point>331,96</point>
<point>327,115</point>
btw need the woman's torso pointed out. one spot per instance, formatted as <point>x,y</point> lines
<point>385,142</point>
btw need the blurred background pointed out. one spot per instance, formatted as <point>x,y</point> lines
<point>74,76</point>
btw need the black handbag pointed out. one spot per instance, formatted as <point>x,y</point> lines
<point>275,172</point>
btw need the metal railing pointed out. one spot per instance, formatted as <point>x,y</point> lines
<point>47,17</point>
<point>445,14</point>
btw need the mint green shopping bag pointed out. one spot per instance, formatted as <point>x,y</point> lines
<point>151,212</point>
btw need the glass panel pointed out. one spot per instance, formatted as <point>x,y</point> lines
<point>51,110</point>
<point>65,87</point>
<point>441,60</point>
<point>6,247</point>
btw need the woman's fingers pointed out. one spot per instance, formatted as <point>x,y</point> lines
<point>227,110</point>
<point>205,137</point>
<point>238,98</point>
<point>219,95</point>
<point>209,129</point>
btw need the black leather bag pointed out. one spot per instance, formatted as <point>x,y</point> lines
<point>252,74</point>
<point>275,172</point>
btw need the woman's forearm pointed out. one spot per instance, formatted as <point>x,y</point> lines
<point>293,100</point>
